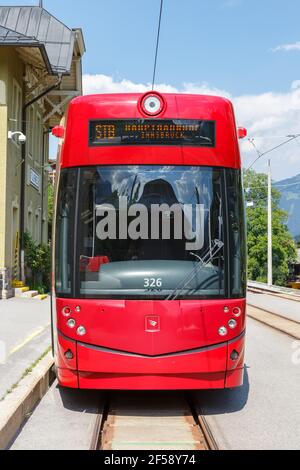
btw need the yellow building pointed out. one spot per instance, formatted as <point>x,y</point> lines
<point>40,72</point>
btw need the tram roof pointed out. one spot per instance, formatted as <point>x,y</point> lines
<point>76,150</point>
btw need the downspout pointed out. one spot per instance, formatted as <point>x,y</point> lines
<point>23,173</point>
<point>43,178</point>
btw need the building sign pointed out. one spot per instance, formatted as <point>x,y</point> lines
<point>152,132</point>
<point>35,179</point>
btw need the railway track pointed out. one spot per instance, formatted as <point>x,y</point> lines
<point>151,421</point>
<point>282,316</point>
<point>275,291</point>
<point>274,294</point>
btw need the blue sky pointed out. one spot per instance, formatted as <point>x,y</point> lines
<point>246,49</point>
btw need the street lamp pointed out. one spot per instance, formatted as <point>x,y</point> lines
<point>21,137</point>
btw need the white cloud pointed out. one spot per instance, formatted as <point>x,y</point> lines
<point>295,84</point>
<point>288,47</point>
<point>269,117</point>
<point>106,84</point>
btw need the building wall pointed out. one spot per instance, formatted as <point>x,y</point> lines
<point>12,71</point>
<point>15,69</point>
<point>36,208</point>
<point>3,169</point>
<point>3,156</point>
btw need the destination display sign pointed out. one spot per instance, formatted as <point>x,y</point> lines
<point>152,132</point>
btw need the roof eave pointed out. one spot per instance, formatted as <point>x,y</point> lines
<point>80,40</point>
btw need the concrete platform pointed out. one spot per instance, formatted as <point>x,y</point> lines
<point>287,308</point>
<point>24,338</point>
<point>63,420</point>
<point>264,413</point>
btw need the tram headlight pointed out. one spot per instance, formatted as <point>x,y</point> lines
<point>66,311</point>
<point>69,355</point>
<point>223,331</point>
<point>232,324</point>
<point>237,312</point>
<point>81,331</point>
<point>71,323</point>
<point>234,355</point>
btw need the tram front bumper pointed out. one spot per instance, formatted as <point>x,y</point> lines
<point>92,367</point>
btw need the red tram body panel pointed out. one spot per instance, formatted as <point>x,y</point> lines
<point>149,313</point>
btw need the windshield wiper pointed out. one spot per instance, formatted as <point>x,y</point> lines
<point>203,262</point>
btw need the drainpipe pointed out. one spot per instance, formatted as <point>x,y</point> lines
<point>43,180</point>
<point>23,173</point>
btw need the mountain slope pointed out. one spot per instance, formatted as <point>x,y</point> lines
<point>290,202</point>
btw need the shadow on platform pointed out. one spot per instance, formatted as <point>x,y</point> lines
<point>216,402</point>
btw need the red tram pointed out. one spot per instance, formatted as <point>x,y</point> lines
<point>149,246</point>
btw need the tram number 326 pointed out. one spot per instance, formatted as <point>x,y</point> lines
<point>152,282</point>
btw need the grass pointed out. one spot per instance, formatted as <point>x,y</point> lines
<point>26,373</point>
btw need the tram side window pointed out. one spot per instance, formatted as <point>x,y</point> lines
<point>237,233</point>
<point>65,218</point>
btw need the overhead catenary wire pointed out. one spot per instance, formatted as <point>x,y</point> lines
<point>157,43</point>
<point>260,155</point>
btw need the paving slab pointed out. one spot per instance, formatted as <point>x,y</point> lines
<point>264,414</point>
<point>25,335</point>
<point>17,364</point>
<point>63,420</point>
<point>282,324</point>
<point>284,307</point>
<point>20,318</point>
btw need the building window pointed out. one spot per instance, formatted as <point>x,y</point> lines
<point>31,133</point>
<point>29,221</point>
<point>16,116</point>
<point>15,242</point>
<point>39,134</point>
<point>37,228</point>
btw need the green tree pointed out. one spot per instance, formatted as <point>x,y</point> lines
<point>284,248</point>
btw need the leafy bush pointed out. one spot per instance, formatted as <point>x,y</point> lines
<point>37,264</point>
<point>284,247</point>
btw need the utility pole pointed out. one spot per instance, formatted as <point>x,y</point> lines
<point>270,241</point>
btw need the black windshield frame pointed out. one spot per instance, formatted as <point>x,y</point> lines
<point>228,175</point>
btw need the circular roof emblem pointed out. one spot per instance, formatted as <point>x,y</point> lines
<point>152,104</point>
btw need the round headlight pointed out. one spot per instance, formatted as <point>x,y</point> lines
<point>234,355</point>
<point>69,355</point>
<point>232,324</point>
<point>222,331</point>
<point>71,323</point>
<point>66,311</point>
<point>81,331</point>
<point>237,312</point>
<point>152,105</point>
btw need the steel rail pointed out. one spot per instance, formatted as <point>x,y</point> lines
<point>278,291</point>
<point>201,436</point>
